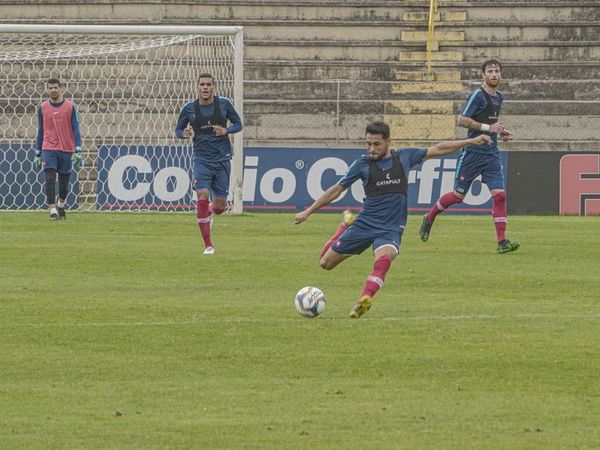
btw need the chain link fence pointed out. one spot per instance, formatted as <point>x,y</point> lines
<point>334,113</point>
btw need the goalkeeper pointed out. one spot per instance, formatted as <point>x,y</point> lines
<point>58,146</point>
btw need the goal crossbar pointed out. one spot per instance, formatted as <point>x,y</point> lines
<point>119,29</point>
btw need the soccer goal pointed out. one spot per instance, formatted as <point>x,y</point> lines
<point>129,84</point>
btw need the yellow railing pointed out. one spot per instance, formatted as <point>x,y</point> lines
<point>430,32</point>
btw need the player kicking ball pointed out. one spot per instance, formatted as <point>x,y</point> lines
<point>381,222</point>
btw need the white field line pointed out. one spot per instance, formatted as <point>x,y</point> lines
<point>475,317</point>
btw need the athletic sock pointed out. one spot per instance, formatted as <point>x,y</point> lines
<point>51,187</point>
<point>499,215</point>
<point>342,228</point>
<point>60,203</point>
<point>375,280</point>
<point>203,217</point>
<point>445,201</point>
<point>63,185</point>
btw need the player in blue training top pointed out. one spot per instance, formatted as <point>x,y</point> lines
<point>380,223</point>
<point>480,116</point>
<point>206,119</point>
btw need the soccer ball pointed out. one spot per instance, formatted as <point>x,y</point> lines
<point>310,301</point>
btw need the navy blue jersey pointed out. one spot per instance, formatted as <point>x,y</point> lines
<point>475,105</point>
<point>385,212</point>
<point>209,147</point>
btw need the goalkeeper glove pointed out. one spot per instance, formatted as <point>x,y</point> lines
<point>37,161</point>
<point>77,160</point>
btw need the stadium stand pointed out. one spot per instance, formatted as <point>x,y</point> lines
<point>317,70</point>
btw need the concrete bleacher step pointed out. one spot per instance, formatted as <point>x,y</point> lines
<point>439,36</point>
<point>450,51</point>
<point>427,129</point>
<point>411,107</point>
<point>256,107</point>
<point>322,31</point>
<point>534,90</point>
<point>526,51</point>
<point>286,69</point>
<point>329,50</point>
<point>435,127</point>
<point>523,32</point>
<point>427,87</point>
<point>413,75</point>
<point>421,56</point>
<point>414,107</point>
<point>422,17</point>
<point>527,70</point>
<point>528,11</point>
<point>186,11</point>
<point>552,107</point>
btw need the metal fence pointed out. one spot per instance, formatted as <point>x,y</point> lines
<point>335,112</point>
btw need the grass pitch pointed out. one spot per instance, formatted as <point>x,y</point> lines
<point>116,332</point>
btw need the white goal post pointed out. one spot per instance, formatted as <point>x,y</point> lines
<point>129,84</point>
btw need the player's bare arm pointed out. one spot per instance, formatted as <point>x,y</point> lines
<point>328,196</point>
<point>446,147</point>
<point>467,122</point>
<point>187,132</point>
<point>498,127</point>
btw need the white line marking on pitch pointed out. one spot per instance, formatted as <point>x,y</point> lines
<point>333,319</point>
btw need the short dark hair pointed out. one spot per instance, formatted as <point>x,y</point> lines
<point>490,62</point>
<point>206,75</point>
<point>381,128</point>
<point>53,81</point>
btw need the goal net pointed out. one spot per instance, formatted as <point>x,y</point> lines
<point>129,84</point>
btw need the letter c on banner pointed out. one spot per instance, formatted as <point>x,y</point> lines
<point>115,177</point>
<point>315,175</point>
<point>358,192</point>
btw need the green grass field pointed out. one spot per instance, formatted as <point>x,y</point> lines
<point>116,332</point>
